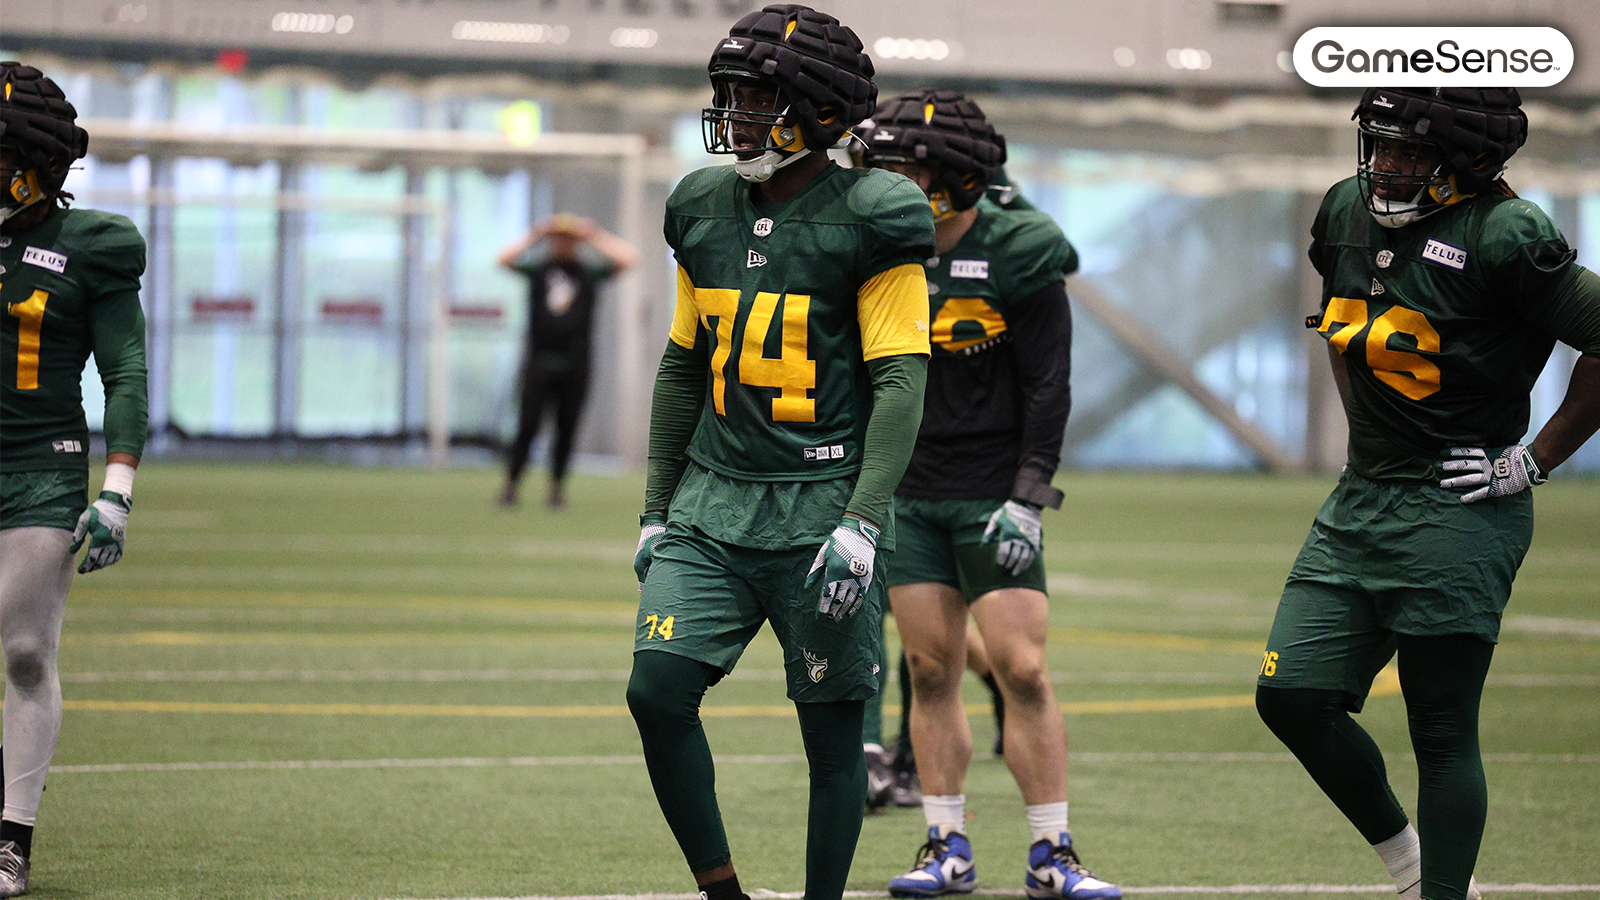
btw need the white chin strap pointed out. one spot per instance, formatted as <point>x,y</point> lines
<point>1395,213</point>
<point>762,167</point>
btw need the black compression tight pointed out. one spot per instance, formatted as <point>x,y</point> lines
<point>1442,680</point>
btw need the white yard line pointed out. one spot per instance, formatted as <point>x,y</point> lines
<point>1170,889</point>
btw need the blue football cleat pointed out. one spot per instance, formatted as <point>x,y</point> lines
<point>1055,873</point>
<point>944,866</point>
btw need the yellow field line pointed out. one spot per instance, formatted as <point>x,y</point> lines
<point>1386,683</point>
<point>1059,636</point>
<point>280,638</point>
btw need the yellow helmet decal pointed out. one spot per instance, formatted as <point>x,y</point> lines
<point>927,114</point>
<point>790,28</point>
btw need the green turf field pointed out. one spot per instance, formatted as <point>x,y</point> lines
<point>317,682</point>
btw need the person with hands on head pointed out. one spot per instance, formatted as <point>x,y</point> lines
<point>969,510</point>
<point>785,408</point>
<point>565,258</point>
<point>69,289</point>
<point>1443,294</point>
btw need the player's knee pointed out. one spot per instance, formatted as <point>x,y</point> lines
<point>27,665</point>
<point>1026,682</point>
<point>933,675</point>
<point>664,691</point>
<point>1293,713</point>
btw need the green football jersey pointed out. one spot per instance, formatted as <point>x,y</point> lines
<point>989,338</point>
<point>68,288</point>
<point>1439,323</point>
<point>775,294</point>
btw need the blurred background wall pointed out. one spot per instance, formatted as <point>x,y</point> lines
<point>325,183</point>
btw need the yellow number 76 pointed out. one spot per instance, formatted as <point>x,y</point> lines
<point>1406,372</point>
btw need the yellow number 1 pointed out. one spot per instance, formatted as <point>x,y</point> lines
<point>31,314</point>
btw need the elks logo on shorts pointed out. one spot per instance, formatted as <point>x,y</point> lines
<point>815,666</point>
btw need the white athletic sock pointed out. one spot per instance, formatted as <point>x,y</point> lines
<point>1402,855</point>
<point>1048,821</point>
<point>948,810</point>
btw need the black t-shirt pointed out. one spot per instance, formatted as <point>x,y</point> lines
<point>561,298</point>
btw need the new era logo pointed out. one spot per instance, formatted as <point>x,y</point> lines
<point>67,446</point>
<point>835,451</point>
<point>754,259</point>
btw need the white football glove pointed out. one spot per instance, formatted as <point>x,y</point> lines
<point>1514,471</point>
<point>105,525</point>
<point>845,561</point>
<point>652,525</point>
<point>1020,531</point>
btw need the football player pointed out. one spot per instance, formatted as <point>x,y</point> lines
<point>1443,294</point>
<point>69,287</point>
<point>969,507</point>
<point>785,408</point>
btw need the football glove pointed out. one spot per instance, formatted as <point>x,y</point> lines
<point>1020,531</point>
<point>1514,471</point>
<point>652,525</point>
<point>844,568</point>
<point>105,525</point>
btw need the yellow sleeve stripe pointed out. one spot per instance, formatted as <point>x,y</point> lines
<point>892,309</point>
<point>685,318</point>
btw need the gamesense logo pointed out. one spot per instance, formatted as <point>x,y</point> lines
<point>1433,57</point>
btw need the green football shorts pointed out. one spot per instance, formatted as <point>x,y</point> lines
<point>705,599</point>
<point>46,499</point>
<point>1388,558</point>
<point>942,541</point>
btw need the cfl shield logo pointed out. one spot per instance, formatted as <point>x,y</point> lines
<point>1433,56</point>
<point>815,666</point>
<point>1502,468</point>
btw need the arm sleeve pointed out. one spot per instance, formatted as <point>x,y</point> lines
<point>677,401</point>
<point>897,385</point>
<point>1042,338</point>
<point>116,328</point>
<point>675,407</point>
<point>1571,313</point>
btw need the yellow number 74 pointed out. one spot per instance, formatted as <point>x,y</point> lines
<point>792,372</point>
<point>1406,372</point>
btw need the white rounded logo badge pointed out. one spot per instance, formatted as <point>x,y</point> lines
<point>1433,56</point>
<point>763,227</point>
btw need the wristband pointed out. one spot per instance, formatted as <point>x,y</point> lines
<point>119,479</point>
